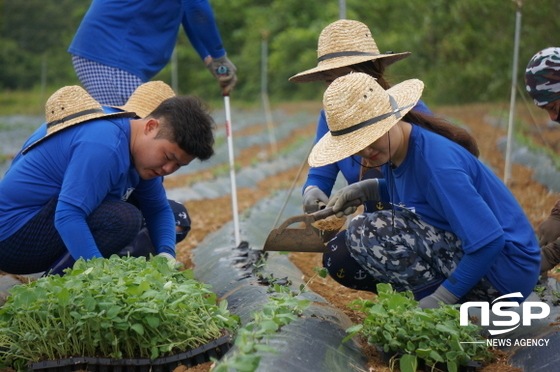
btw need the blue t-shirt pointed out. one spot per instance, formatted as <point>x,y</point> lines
<point>324,177</point>
<point>82,165</point>
<point>138,36</point>
<point>451,189</point>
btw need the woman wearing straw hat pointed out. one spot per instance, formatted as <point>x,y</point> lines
<point>344,46</point>
<point>67,191</point>
<point>455,232</point>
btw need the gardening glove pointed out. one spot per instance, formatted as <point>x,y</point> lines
<point>226,78</point>
<point>550,255</point>
<point>171,261</point>
<point>549,230</point>
<point>362,191</point>
<point>440,295</point>
<point>314,199</point>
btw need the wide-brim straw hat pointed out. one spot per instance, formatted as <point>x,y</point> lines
<point>69,106</point>
<point>147,97</point>
<point>345,43</point>
<point>359,111</point>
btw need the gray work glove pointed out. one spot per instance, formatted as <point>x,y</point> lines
<point>362,191</point>
<point>314,199</point>
<point>440,295</point>
<point>549,230</point>
<point>226,78</point>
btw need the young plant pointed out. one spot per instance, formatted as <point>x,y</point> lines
<point>119,307</point>
<point>395,322</point>
<point>281,309</point>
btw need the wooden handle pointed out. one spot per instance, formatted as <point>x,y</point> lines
<point>324,213</point>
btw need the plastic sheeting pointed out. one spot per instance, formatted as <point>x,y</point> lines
<point>311,343</point>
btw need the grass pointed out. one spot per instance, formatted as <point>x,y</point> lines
<point>17,102</point>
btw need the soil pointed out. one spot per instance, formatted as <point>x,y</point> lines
<point>209,215</point>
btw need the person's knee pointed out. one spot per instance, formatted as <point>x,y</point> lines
<point>182,220</point>
<point>344,269</point>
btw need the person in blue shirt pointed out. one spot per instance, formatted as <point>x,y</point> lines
<point>455,232</point>
<point>344,46</point>
<point>122,44</point>
<point>67,190</point>
<point>142,102</point>
<point>542,81</point>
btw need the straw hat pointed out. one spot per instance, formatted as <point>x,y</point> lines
<point>147,97</point>
<point>69,106</point>
<point>345,43</point>
<point>359,111</point>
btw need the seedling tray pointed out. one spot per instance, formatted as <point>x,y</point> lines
<point>202,354</point>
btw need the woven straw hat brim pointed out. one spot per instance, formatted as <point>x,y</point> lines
<point>316,73</point>
<point>330,149</point>
<point>147,97</point>
<point>79,120</point>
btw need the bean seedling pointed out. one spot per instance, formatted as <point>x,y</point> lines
<point>395,322</point>
<point>119,308</point>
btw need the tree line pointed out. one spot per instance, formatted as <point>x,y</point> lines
<point>461,49</point>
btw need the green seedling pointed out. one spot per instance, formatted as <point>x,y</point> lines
<point>119,308</point>
<point>281,309</point>
<point>394,322</point>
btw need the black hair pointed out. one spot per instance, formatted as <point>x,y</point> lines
<point>440,126</point>
<point>186,120</point>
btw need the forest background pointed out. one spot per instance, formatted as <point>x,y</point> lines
<point>462,49</point>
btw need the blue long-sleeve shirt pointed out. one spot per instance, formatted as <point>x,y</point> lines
<point>138,36</point>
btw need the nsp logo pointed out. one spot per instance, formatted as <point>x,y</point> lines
<point>499,309</point>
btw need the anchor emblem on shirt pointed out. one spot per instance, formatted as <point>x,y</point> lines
<point>379,205</point>
<point>360,275</point>
<point>329,262</point>
<point>334,247</point>
<point>340,273</point>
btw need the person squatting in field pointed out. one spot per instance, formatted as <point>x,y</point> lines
<point>68,189</point>
<point>455,232</point>
<point>542,81</point>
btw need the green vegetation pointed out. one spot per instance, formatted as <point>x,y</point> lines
<point>281,309</point>
<point>461,49</point>
<point>118,307</point>
<point>396,323</point>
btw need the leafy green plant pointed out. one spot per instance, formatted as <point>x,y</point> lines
<point>281,309</point>
<point>119,307</point>
<point>395,322</point>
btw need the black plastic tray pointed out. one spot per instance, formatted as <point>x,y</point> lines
<point>202,354</point>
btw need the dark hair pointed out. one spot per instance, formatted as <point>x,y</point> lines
<point>187,122</point>
<point>445,129</point>
<point>375,69</point>
<point>434,124</point>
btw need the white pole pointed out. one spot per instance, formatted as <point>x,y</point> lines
<point>175,72</point>
<point>264,92</point>
<point>232,171</point>
<point>507,170</point>
<point>342,9</point>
